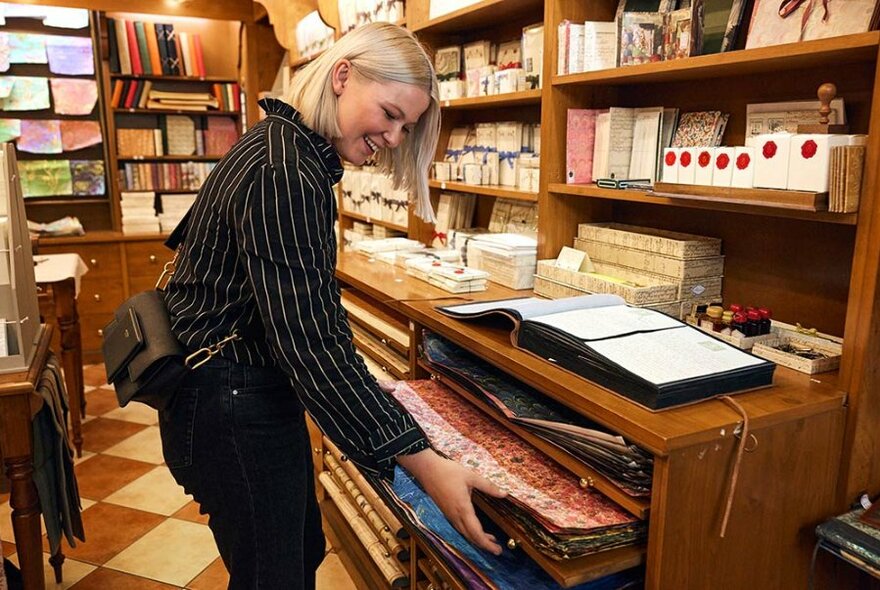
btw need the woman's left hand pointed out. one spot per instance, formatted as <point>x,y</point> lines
<point>450,485</point>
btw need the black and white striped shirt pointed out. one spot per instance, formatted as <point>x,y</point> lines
<point>259,257</point>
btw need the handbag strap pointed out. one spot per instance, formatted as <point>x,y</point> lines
<point>175,242</point>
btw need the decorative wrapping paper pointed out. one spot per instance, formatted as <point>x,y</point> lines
<point>27,93</point>
<point>76,134</point>
<point>88,177</point>
<point>70,55</point>
<point>135,142</point>
<point>507,571</point>
<point>531,479</point>
<point>45,178</point>
<point>66,18</point>
<point>9,129</point>
<point>27,48</point>
<point>74,96</point>
<point>220,135</point>
<point>697,129</point>
<point>4,52</point>
<point>6,86</point>
<point>40,136</point>
<point>181,135</point>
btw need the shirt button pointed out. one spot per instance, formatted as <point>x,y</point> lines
<point>234,392</point>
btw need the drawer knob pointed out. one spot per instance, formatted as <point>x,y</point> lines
<point>511,544</point>
<point>97,297</point>
<point>94,261</point>
<point>100,332</point>
<point>586,482</point>
<point>152,258</point>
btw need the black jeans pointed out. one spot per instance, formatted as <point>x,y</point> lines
<point>235,438</point>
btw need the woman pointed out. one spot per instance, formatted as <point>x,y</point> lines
<point>257,265</point>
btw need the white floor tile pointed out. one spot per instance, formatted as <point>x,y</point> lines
<point>156,492</point>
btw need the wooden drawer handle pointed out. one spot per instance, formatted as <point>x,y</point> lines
<point>97,297</point>
<point>94,261</point>
<point>152,259</point>
<point>100,332</point>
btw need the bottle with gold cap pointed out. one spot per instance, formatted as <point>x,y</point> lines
<point>715,314</point>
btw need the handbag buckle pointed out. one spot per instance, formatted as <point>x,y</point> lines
<point>203,355</point>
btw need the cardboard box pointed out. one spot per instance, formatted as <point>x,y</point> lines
<point>771,160</point>
<point>723,164</point>
<point>809,161</point>
<point>743,168</point>
<point>704,166</point>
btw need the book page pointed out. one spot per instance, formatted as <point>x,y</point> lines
<point>607,321</point>
<point>528,307</point>
<point>673,355</point>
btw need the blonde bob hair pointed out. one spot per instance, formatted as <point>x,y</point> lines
<point>379,52</point>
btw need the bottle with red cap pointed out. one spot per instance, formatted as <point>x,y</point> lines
<point>766,314</point>
<point>753,324</point>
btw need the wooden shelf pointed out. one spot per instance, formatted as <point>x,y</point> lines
<point>481,15</point>
<point>72,200</point>
<point>804,55</point>
<point>580,190</point>
<point>101,237</point>
<point>301,61</point>
<point>169,158</point>
<point>176,112</point>
<point>504,192</point>
<point>511,99</point>
<point>368,219</point>
<point>214,79</point>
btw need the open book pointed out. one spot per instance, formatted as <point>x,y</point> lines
<point>640,353</point>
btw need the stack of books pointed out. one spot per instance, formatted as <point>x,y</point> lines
<point>140,94</point>
<point>181,101</point>
<point>144,48</point>
<point>510,259</point>
<point>139,213</point>
<point>174,207</point>
<point>448,276</point>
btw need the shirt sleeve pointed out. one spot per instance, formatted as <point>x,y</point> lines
<point>287,249</point>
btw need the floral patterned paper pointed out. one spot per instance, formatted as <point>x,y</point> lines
<point>76,135</point>
<point>71,56</point>
<point>25,48</point>
<point>74,96</point>
<point>10,129</point>
<point>45,178</point>
<point>40,136</point>
<point>531,479</point>
<point>87,177</point>
<point>26,93</point>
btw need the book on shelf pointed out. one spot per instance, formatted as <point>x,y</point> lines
<point>146,48</point>
<point>852,538</point>
<point>644,355</point>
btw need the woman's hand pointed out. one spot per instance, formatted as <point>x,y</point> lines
<point>387,386</point>
<point>450,485</point>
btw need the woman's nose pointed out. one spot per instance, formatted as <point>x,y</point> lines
<point>394,136</point>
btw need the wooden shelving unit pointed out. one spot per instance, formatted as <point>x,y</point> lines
<point>177,112</point>
<point>512,99</point>
<point>504,192</point>
<point>368,219</point>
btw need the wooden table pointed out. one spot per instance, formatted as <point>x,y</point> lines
<point>18,405</point>
<point>58,275</point>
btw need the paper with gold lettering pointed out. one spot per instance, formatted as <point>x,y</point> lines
<point>40,136</point>
<point>74,96</point>
<point>45,178</point>
<point>76,135</point>
<point>27,93</point>
<point>70,55</point>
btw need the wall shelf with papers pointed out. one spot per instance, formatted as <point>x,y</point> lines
<point>367,219</point>
<point>504,192</point>
<point>169,158</point>
<point>161,78</point>
<point>476,16</point>
<point>512,99</point>
<point>177,112</point>
<point>805,55</point>
<point>711,205</point>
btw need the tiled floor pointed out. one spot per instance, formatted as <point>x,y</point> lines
<point>142,532</point>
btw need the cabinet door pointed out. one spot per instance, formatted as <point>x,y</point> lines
<point>144,262</point>
<point>101,288</point>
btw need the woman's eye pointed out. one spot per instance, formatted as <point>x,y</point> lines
<point>388,115</point>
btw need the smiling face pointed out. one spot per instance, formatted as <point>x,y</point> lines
<point>373,115</point>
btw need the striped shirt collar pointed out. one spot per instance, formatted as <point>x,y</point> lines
<point>327,154</point>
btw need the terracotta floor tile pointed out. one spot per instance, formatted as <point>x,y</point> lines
<point>8,548</point>
<point>105,579</point>
<point>332,575</point>
<point>102,475</point>
<point>101,401</point>
<point>190,512</point>
<point>175,552</point>
<point>109,530</point>
<point>102,433</point>
<point>94,375</point>
<point>214,577</point>
<point>73,571</point>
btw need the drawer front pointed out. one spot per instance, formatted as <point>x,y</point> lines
<point>99,295</point>
<point>146,259</point>
<point>91,327</point>
<point>136,284</point>
<point>103,260</point>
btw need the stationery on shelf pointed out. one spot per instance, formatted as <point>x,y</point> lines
<point>644,355</point>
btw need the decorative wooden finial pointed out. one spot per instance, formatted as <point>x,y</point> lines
<point>827,92</point>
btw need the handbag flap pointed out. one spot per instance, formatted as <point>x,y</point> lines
<point>155,324</point>
<point>122,341</point>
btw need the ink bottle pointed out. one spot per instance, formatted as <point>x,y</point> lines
<point>766,314</point>
<point>753,325</point>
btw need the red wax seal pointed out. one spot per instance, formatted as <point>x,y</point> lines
<point>704,159</point>
<point>459,271</point>
<point>670,158</point>
<point>770,149</point>
<point>435,263</point>
<point>808,150</point>
<point>722,161</point>
<point>742,161</point>
<point>685,159</point>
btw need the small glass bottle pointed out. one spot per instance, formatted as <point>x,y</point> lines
<point>739,322</point>
<point>715,314</point>
<point>727,318</point>
<point>753,325</point>
<point>735,308</point>
<point>766,314</point>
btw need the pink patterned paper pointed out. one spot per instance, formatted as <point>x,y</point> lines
<point>580,136</point>
<point>74,96</point>
<point>533,480</point>
<point>40,136</point>
<point>76,135</point>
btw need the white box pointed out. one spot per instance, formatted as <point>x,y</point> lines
<point>507,170</point>
<point>810,159</point>
<point>507,80</point>
<point>687,165</point>
<point>723,164</point>
<point>771,160</point>
<point>442,171</point>
<point>705,161</point>
<point>452,89</point>
<point>670,164</point>
<point>743,168</point>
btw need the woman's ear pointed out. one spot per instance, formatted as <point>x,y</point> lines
<point>340,75</point>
